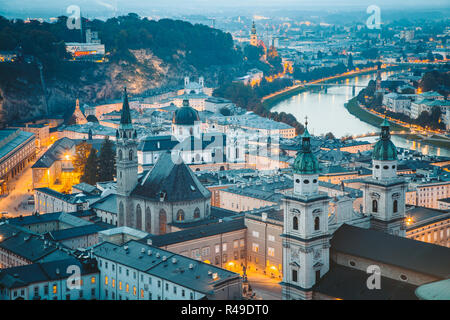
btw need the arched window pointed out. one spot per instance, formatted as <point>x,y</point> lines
<point>131,219</point>
<point>207,210</point>
<point>395,206</point>
<point>374,206</point>
<point>317,223</point>
<point>162,221</point>
<point>196,213</point>
<point>180,215</point>
<point>120,154</point>
<point>130,155</point>
<point>121,214</point>
<point>138,217</point>
<point>295,223</point>
<point>191,132</point>
<point>148,220</point>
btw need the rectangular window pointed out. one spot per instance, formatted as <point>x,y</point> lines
<point>255,234</point>
<point>255,247</point>
<point>55,289</point>
<point>242,243</point>
<point>271,238</point>
<point>271,251</point>
<point>217,248</point>
<point>235,244</point>
<point>224,246</point>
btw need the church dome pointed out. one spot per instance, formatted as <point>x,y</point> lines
<point>384,149</point>
<point>306,162</point>
<point>185,115</point>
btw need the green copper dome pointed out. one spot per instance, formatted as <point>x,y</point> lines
<point>384,149</point>
<point>186,115</point>
<point>306,162</point>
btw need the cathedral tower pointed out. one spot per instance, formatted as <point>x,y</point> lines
<point>305,230</point>
<point>384,192</point>
<point>126,163</point>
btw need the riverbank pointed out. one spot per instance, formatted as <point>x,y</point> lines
<point>287,93</point>
<point>353,107</point>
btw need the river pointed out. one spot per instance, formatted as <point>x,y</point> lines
<point>326,113</point>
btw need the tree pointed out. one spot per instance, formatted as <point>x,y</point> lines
<point>106,161</point>
<point>91,172</point>
<point>225,111</point>
<point>82,152</point>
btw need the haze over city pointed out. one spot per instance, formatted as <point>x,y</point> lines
<point>225,151</point>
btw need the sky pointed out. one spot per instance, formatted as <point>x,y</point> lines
<point>20,8</point>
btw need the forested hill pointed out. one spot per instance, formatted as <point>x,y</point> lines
<point>142,54</point>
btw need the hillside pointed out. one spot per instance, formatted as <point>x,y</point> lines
<point>142,54</point>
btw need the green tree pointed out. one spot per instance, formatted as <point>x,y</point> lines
<point>82,152</point>
<point>91,172</point>
<point>106,161</point>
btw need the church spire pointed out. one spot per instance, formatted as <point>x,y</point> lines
<point>125,118</point>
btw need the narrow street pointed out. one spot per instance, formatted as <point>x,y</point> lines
<point>15,203</point>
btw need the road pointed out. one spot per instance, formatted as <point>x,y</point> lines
<point>265,287</point>
<point>15,203</point>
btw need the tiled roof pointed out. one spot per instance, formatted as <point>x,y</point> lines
<point>170,181</point>
<point>149,259</point>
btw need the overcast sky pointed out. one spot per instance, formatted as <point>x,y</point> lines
<point>58,7</point>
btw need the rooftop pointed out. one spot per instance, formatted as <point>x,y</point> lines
<point>402,252</point>
<point>10,139</point>
<point>175,268</point>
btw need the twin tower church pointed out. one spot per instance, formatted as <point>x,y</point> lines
<point>170,193</point>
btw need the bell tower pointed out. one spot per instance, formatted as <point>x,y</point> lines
<point>384,193</point>
<point>305,230</point>
<point>253,36</point>
<point>126,164</point>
